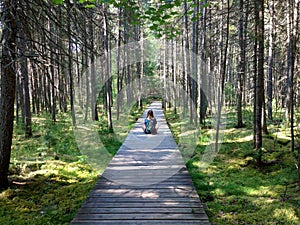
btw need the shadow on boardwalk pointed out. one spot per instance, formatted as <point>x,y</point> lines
<point>145,183</point>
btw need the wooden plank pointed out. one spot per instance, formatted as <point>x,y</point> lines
<point>138,200</point>
<point>173,182</point>
<point>143,216</point>
<point>172,175</point>
<point>140,222</point>
<point>163,182</point>
<point>131,210</point>
<point>129,181</point>
<point>184,185</point>
<point>142,205</point>
<point>145,183</point>
<point>136,193</point>
<point>141,190</point>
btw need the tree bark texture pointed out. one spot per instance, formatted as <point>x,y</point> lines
<point>8,88</point>
<point>259,8</point>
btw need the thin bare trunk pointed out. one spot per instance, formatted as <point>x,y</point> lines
<point>270,61</point>
<point>294,46</point>
<point>70,73</point>
<point>220,97</point>
<point>259,10</point>
<point>241,66</point>
<point>107,73</point>
<point>25,89</point>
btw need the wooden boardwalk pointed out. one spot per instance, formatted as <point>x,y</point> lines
<point>145,183</point>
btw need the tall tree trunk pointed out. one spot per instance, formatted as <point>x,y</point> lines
<point>247,3</point>
<point>164,89</point>
<point>174,74</point>
<point>92,67</point>
<point>293,59</point>
<point>20,99</point>
<point>188,62</point>
<point>259,10</point>
<point>34,89</point>
<point>195,49</point>
<point>255,76</point>
<point>289,58</point>
<point>119,79</point>
<point>107,72</point>
<point>138,67</point>
<point>220,97</point>
<point>17,98</point>
<point>87,72</point>
<point>8,87</point>
<point>264,117</point>
<point>127,59</point>
<point>70,73</point>
<point>52,72</point>
<point>294,39</point>
<point>78,82</point>
<point>25,89</point>
<point>183,77</point>
<point>241,66</point>
<point>202,89</point>
<point>270,61</point>
<point>142,86</point>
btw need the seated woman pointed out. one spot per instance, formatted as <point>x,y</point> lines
<point>149,126</point>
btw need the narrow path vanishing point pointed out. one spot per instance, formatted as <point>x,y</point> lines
<point>145,183</point>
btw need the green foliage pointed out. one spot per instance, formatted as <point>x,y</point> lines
<point>57,2</point>
<point>88,3</point>
<point>159,17</point>
<point>234,189</point>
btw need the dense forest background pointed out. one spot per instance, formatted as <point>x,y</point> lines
<point>50,65</point>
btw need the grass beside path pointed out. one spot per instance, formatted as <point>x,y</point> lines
<point>234,189</point>
<point>49,176</point>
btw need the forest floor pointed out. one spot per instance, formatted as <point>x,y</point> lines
<point>233,188</point>
<point>50,178</point>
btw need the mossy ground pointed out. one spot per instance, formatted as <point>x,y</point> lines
<point>233,188</point>
<point>49,176</point>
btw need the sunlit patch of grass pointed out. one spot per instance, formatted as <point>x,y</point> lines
<point>286,214</point>
<point>68,172</point>
<point>50,195</point>
<point>234,135</point>
<point>261,191</point>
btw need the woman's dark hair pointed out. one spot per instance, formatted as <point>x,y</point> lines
<point>150,113</point>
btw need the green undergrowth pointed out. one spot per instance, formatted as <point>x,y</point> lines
<point>50,177</point>
<point>233,188</point>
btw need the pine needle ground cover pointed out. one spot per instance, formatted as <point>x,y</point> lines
<point>234,189</point>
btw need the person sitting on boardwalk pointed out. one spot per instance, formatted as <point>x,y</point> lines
<point>149,126</point>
